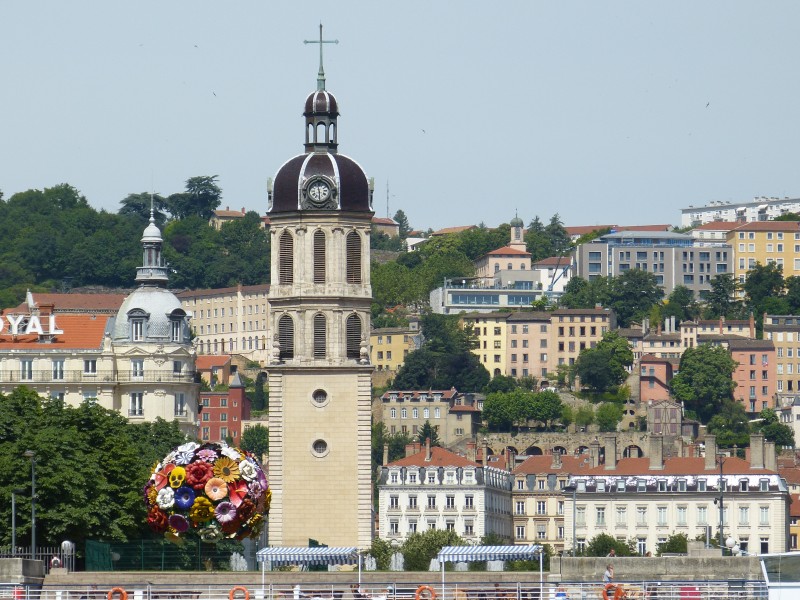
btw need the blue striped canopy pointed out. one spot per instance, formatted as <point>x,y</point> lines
<point>469,553</point>
<point>308,556</point>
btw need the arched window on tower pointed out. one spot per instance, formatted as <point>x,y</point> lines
<point>309,133</point>
<point>286,337</point>
<point>286,259</point>
<point>353,337</point>
<point>332,132</point>
<point>320,336</point>
<point>322,130</point>
<point>353,257</point>
<point>319,256</point>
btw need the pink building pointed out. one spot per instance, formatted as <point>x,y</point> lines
<point>655,375</point>
<point>755,376</point>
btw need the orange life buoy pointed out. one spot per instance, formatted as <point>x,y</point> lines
<point>425,588</point>
<point>123,595</point>
<point>619,593</point>
<point>239,588</point>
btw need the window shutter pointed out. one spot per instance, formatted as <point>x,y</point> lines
<point>286,337</point>
<point>286,258</point>
<point>320,337</point>
<point>353,336</point>
<point>319,256</point>
<point>353,257</point>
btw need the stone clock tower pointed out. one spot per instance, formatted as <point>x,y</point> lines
<point>320,211</point>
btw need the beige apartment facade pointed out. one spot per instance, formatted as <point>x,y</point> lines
<point>230,320</point>
<point>456,416</point>
<point>389,347</point>
<point>575,329</point>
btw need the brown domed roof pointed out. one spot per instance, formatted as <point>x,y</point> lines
<point>321,101</point>
<point>346,175</point>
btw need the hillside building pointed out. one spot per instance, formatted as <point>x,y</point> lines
<point>456,416</point>
<point>758,209</point>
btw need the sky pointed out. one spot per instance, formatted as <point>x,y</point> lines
<point>612,112</point>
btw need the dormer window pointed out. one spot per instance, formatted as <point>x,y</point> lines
<point>662,485</point>
<point>763,485</point>
<point>601,486</point>
<point>137,330</point>
<point>743,484</point>
<point>175,329</point>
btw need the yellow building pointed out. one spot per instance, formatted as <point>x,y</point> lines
<point>389,347</point>
<point>764,242</point>
<point>491,331</point>
<point>575,329</point>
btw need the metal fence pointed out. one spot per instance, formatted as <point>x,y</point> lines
<point>51,556</point>
<point>644,590</point>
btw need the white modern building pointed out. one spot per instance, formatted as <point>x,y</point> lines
<point>757,209</point>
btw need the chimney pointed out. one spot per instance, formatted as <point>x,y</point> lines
<point>756,451</point>
<point>753,326</point>
<point>658,331</point>
<point>656,453</point>
<point>556,464</point>
<point>427,449</point>
<point>611,453</point>
<point>386,454</point>
<point>679,447</point>
<point>721,324</point>
<point>672,325</point>
<point>471,445</point>
<point>510,458</point>
<point>243,210</point>
<point>711,452</point>
<point>485,449</point>
<point>594,453</point>
<point>690,450</point>
<point>770,458</point>
<point>412,448</point>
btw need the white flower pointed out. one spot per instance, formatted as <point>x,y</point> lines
<point>184,458</point>
<point>166,498</point>
<point>188,447</point>
<point>248,470</point>
<point>231,453</point>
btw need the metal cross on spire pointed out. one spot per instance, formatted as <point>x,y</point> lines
<point>321,74</point>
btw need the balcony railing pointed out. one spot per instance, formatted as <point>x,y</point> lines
<point>78,376</point>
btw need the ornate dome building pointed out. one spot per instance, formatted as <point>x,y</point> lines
<point>320,210</point>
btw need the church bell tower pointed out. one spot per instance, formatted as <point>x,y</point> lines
<point>320,210</point>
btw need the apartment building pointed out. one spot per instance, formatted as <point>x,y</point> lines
<point>456,416</point>
<point>765,242</point>
<point>222,413</point>
<point>574,329</point>
<point>650,499</point>
<point>756,373</point>
<point>538,498</point>
<point>671,257</point>
<point>784,332</point>
<point>230,320</point>
<point>529,348</point>
<point>433,488</point>
<point>491,332</point>
<point>389,346</point>
<point>758,209</point>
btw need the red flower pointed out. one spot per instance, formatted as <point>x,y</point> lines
<point>157,519</point>
<point>245,510</point>
<point>197,474</point>
<point>237,492</point>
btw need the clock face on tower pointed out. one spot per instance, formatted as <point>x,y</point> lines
<point>319,195</point>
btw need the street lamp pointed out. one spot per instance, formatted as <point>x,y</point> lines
<point>573,487</point>
<point>32,455</point>
<point>14,494</point>
<point>721,461</point>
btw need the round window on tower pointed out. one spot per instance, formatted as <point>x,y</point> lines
<point>319,448</point>
<point>319,398</point>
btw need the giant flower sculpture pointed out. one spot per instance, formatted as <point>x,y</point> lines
<point>214,491</point>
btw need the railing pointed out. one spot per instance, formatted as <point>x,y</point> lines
<point>78,376</point>
<point>451,590</point>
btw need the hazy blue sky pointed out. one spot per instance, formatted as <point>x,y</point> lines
<point>604,111</point>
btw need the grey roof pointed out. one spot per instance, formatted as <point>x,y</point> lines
<point>156,302</point>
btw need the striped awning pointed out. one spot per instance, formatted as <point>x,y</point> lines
<point>470,553</point>
<point>308,556</point>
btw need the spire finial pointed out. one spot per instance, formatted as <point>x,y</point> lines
<point>321,73</point>
<point>152,215</point>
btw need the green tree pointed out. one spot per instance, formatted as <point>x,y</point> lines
<point>396,442</point>
<point>774,430</point>
<point>428,431</point>
<point>546,407</point>
<point>677,543</point>
<point>138,206</point>
<point>704,380</point>
<point>402,220</point>
<point>721,301</point>
<point>584,416</point>
<point>560,242</point>
<point>764,284</point>
<point>681,305</point>
<point>420,548</point>
<point>580,293</point>
<point>603,543</point>
<point>260,394</point>
<point>500,383</point>
<point>605,365</point>
<point>537,241</point>
<point>255,439</point>
<point>608,416</point>
<point>382,552</point>
<point>201,198</point>
<point>504,410</point>
<point>632,294</point>
<point>567,415</point>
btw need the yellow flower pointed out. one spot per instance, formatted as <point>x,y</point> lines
<point>202,510</point>
<point>226,469</point>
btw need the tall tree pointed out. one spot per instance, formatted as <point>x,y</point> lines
<point>402,220</point>
<point>632,294</point>
<point>201,198</point>
<point>605,365</point>
<point>255,439</point>
<point>721,301</point>
<point>681,305</point>
<point>704,381</point>
<point>429,431</point>
<point>560,241</point>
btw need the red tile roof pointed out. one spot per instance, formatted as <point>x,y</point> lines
<point>229,213</point>
<point>507,251</point>
<point>87,303</point>
<point>769,226</point>
<point>794,507</point>
<point>553,261</point>
<point>791,475</point>
<point>81,332</point>
<point>660,227</point>
<point>584,229</point>
<point>207,361</point>
<point>543,463</point>
<point>384,221</point>
<point>439,458</point>
<point>718,226</point>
